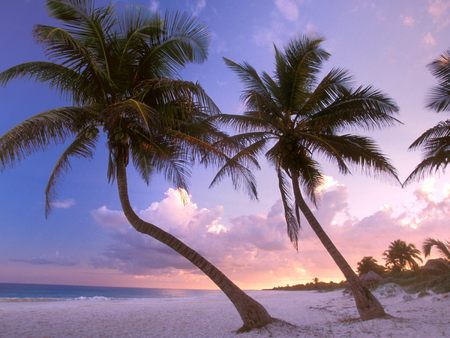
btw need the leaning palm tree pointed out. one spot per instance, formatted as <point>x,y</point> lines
<point>302,119</point>
<point>122,76</point>
<point>443,248</point>
<point>399,255</point>
<point>435,141</point>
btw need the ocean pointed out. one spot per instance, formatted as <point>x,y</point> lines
<point>41,292</point>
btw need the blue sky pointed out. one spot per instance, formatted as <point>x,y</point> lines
<point>384,43</point>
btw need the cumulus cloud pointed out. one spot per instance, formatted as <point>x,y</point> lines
<point>56,259</point>
<point>254,250</point>
<point>63,204</point>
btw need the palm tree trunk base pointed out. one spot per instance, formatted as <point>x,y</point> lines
<point>368,306</point>
<point>254,316</point>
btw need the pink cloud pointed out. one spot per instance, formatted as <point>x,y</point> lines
<point>407,20</point>
<point>429,39</point>
<point>254,251</point>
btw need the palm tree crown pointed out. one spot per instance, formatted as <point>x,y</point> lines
<point>367,264</point>
<point>302,119</point>
<point>399,255</point>
<point>122,76</point>
<point>435,141</point>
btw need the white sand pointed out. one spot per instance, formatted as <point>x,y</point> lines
<point>315,314</point>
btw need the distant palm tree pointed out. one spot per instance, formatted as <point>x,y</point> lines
<point>367,264</point>
<point>303,119</point>
<point>436,141</point>
<point>399,255</point>
<point>443,248</point>
<point>122,75</point>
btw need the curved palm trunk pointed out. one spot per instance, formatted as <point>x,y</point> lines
<point>252,313</point>
<point>366,303</point>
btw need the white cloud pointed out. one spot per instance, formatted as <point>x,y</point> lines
<point>52,259</point>
<point>407,20</point>
<point>63,204</point>
<point>254,250</point>
<point>288,9</point>
<point>429,39</point>
<point>110,219</point>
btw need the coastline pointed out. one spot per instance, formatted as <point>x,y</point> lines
<point>315,314</point>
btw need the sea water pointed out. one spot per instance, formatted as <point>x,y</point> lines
<point>36,292</point>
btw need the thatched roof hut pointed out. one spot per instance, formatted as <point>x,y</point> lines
<point>436,267</point>
<point>370,279</point>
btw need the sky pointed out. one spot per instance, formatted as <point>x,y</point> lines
<point>86,240</point>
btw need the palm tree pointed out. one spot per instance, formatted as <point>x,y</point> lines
<point>122,76</point>
<point>302,118</point>
<point>435,141</point>
<point>399,255</point>
<point>368,263</point>
<point>442,247</point>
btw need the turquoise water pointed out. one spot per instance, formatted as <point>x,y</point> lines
<point>65,292</point>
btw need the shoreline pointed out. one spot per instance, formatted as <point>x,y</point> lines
<point>314,314</point>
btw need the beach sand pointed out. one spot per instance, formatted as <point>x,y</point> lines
<point>315,314</point>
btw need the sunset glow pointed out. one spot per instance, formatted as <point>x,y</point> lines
<point>87,240</point>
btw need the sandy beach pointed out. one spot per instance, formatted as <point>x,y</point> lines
<point>314,314</point>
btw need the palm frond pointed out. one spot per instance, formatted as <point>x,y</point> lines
<point>241,176</point>
<point>38,132</point>
<point>256,95</point>
<point>82,147</point>
<point>89,25</point>
<point>358,151</point>
<point>243,123</point>
<point>162,91</point>
<point>429,165</point>
<point>364,107</point>
<point>62,47</point>
<point>57,76</point>
<point>292,221</point>
<point>439,98</point>
<point>180,40</point>
<point>325,93</point>
<point>159,154</point>
<point>303,58</point>
<point>441,130</point>
<point>441,246</point>
<point>310,177</point>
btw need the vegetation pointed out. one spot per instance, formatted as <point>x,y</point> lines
<point>369,263</point>
<point>413,280</point>
<point>121,73</point>
<point>399,255</point>
<point>444,249</point>
<point>303,119</point>
<point>435,142</point>
<point>316,286</point>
